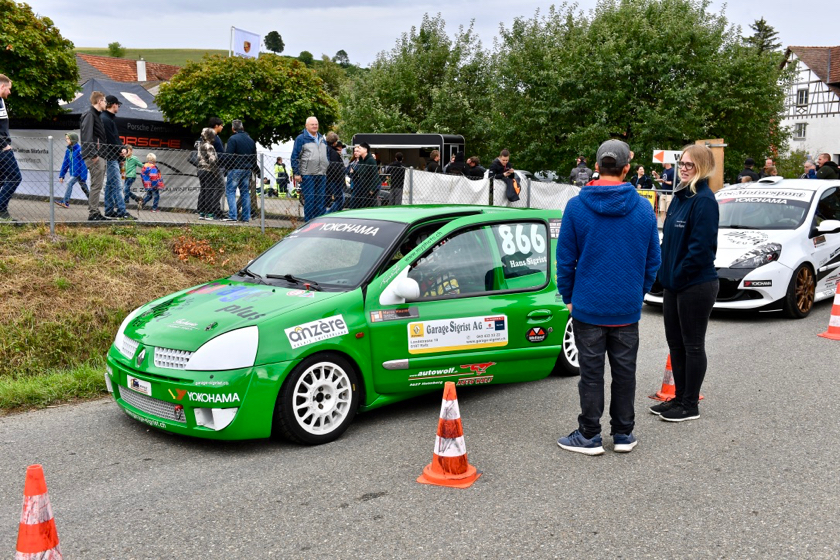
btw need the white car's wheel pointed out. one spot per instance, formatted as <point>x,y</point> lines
<point>318,400</point>
<point>568,359</point>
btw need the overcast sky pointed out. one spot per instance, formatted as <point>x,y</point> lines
<point>362,28</point>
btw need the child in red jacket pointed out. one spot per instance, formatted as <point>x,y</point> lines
<point>152,181</point>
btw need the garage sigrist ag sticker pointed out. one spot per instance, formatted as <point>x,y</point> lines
<point>457,334</point>
<point>316,331</point>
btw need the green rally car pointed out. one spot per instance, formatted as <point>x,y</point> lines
<point>350,312</point>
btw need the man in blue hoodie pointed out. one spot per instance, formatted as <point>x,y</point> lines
<point>607,258</point>
<point>309,163</point>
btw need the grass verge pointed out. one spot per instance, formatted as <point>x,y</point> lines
<point>65,296</point>
<point>175,57</point>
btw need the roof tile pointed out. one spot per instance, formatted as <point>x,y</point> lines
<point>125,70</point>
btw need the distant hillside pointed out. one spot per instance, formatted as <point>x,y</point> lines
<point>176,57</point>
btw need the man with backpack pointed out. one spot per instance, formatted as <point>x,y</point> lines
<point>581,174</point>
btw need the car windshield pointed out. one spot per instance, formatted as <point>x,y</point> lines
<point>751,208</point>
<point>331,253</point>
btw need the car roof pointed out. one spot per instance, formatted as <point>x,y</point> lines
<point>418,213</point>
<point>779,183</point>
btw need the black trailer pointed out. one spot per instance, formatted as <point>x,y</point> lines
<point>416,148</point>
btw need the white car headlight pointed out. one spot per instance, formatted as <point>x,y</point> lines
<point>232,350</point>
<point>119,339</point>
<point>759,256</point>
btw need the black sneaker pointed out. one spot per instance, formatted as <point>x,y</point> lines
<point>97,218</point>
<point>658,409</point>
<point>4,215</point>
<point>111,215</point>
<point>128,217</point>
<point>681,413</point>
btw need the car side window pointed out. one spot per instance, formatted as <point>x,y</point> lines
<point>828,208</point>
<point>482,260</point>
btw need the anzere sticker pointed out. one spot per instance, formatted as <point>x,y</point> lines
<point>464,333</point>
<point>316,331</point>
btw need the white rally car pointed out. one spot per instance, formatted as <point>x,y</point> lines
<point>778,245</point>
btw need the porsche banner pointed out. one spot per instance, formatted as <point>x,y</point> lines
<point>245,43</point>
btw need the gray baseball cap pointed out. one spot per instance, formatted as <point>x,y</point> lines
<point>615,149</point>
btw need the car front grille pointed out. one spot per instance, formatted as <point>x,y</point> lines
<point>129,347</point>
<point>169,358</point>
<point>149,405</point>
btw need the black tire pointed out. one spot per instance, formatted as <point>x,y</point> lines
<point>567,361</point>
<point>326,408</point>
<point>799,299</point>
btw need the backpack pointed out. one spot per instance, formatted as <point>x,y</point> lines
<point>193,157</point>
<point>583,176</point>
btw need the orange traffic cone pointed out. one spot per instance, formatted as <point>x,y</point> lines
<point>668,390</point>
<point>833,331</point>
<point>37,535</point>
<point>449,466</point>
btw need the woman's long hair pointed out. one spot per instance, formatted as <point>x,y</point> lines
<point>704,163</point>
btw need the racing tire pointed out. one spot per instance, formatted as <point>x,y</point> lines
<point>318,400</point>
<point>567,361</point>
<point>799,299</point>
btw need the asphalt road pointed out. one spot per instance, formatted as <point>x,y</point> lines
<point>755,477</point>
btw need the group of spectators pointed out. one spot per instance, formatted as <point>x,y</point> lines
<point>471,168</point>
<point>581,175</point>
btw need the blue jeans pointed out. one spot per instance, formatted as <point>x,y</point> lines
<point>238,178</point>
<point>69,192</point>
<point>114,203</point>
<point>621,344</point>
<point>10,178</point>
<point>127,189</point>
<point>152,193</point>
<point>314,191</point>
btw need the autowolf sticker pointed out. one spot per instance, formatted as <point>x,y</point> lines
<point>478,368</point>
<point>746,237</point>
<point>394,314</point>
<point>474,369</point>
<point>316,331</point>
<point>758,283</point>
<point>475,380</point>
<point>536,334</point>
<point>457,334</point>
<point>139,385</point>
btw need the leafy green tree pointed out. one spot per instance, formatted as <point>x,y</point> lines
<point>274,42</point>
<point>341,58</point>
<point>39,61</point>
<point>272,95</point>
<point>333,75</point>
<point>791,165</point>
<point>115,49</point>
<point>765,38</point>
<point>306,57</point>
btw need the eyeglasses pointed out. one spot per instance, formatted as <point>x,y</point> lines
<point>686,164</point>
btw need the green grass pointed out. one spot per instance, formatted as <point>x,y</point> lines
<point>64,297</point>
<point>176,57</point>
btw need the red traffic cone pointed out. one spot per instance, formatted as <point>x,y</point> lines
<point>37,535</point>
<point>668,390</point>
<point>449,466</point>
<point>833,332</point>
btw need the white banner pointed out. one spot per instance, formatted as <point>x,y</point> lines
<point>245,43</point>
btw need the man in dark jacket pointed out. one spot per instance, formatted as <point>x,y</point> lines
<point>581,174</point>
<point>457,166</point>
<point>240,160</point>
<point>747,171</point>
<point>474,170</point>
<point>365,180</point>
<point>434,162</point>
<point>114,200</point>
<point>10,177</point>
<point>93,142</point>
<point>827,169</point>
<point>215,182</point>
<point>607,258</point>
<point>397,171</point>
<point>335,174</point>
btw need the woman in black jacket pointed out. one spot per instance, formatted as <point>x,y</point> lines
<point>689,279</point>
<point>640,180</point>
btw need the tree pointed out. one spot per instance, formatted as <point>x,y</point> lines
<point>116,50</point>
<point>765,39</point>
<point>341,58</point>
<point>331,73</point>
<point>306,57</point>
<point>274,42</point>
<point>272,95</point>
<point>39,61</point>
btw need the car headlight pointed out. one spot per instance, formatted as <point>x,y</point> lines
<point>758,256</point>
<point>119,339</point>
<point>232,350</point>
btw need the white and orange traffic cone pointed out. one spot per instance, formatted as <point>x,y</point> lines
<point>668,390</point>
<point>37,535</point>
<point>449,466</point>
<point>833,332</point>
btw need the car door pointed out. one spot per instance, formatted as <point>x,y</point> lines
<point>485,309</point>
<point>826,254</point>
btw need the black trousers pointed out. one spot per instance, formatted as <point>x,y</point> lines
<point>211,189</point>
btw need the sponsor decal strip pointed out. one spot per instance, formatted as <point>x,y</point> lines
<point>457,334</point>
<point>316,331</point>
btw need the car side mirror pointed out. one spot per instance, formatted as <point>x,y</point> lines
<point>402,289</point>
<point>828,226</point>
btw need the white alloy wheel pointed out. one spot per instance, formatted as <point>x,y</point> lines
<point>322,398</point>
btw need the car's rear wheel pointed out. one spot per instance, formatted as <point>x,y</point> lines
<point>568,359</point>
<point>799,299</point>
<point>318,400</point>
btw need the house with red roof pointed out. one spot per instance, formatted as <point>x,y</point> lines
<point>812,107</point>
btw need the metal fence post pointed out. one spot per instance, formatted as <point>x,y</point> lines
<point>52,184</point>
<point>490,190</point>
<point>528,194</point>
<point>411,185</point>
<point>262,193</point>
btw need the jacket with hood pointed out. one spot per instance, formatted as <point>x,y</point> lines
<point>208,159</point>
<point>92,133</point>
<point>111,151</point>
<point>241,152</point>
<point>73,162</point>
<point>309,155</point>
<point>607,253</point>
<point>689,238</point>
<point>458,166</point>
<point>828,170</point>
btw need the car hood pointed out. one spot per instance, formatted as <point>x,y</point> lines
<point>186,320</point>
<point>733,243</point>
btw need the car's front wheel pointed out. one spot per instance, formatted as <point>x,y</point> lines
<point>318,400</point>
<point>568,359</point>
<point>799,299</point>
